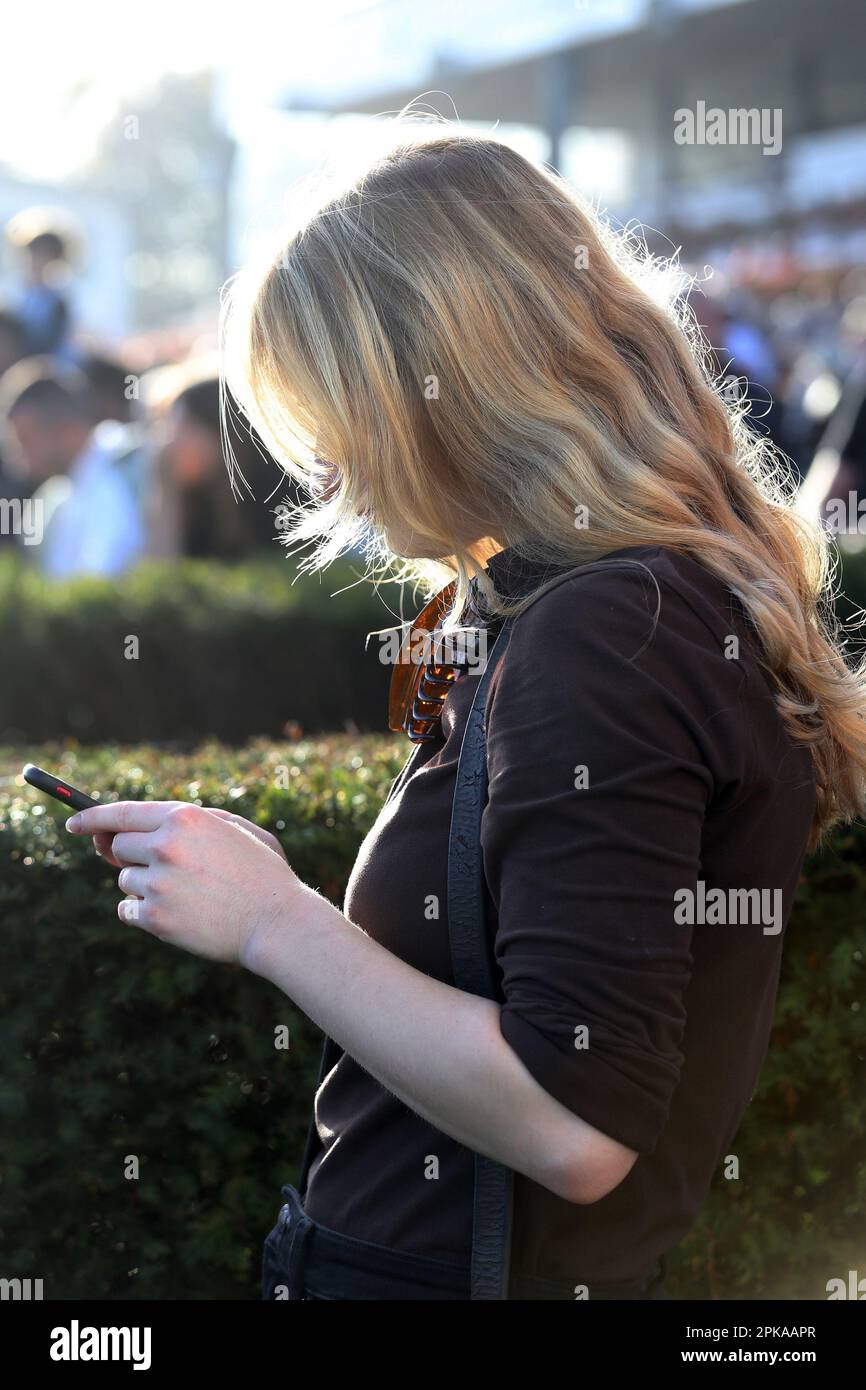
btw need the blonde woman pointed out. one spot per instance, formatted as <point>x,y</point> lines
<point>455,353</point>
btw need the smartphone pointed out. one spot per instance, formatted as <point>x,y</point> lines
<point>47,782</point>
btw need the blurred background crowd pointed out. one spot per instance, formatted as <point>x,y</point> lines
<point>125,465</point>
<point>110,270</point>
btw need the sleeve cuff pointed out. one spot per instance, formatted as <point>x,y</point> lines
<point>587,1085</point>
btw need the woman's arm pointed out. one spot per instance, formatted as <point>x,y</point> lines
<point>213,886</point>
<point>436,1048</point>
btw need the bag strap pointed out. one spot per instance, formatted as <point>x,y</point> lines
<point>473,968</point>
<point>474,971</point>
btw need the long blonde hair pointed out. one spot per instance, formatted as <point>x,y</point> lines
<point>472,347</point>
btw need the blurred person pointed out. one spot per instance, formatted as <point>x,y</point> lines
<point>791,428</point>
<point>45,258</point>
<point>522,996</point>
<point>710,318</point>
<point>751,364</point>
<point>197,503</point>
<point>83,472</point>
<point>836,480</point>
<point>13,478</point>
<point>110,381</point>
<point>745,339</point>
<point>13,339</point>
<point>837,476</point>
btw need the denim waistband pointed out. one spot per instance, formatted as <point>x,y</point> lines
<point>304,1260</point>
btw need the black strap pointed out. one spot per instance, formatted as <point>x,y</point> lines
<point>474,971</point>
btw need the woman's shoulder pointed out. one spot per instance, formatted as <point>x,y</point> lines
<point>631,657</point>
<point>641,644</point>
<point>645,592</point>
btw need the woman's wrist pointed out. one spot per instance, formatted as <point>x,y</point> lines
<point>269,945</point>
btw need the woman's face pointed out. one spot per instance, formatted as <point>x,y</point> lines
<point>330,478</point>
<point>410,545</point>
<point>401,540</point>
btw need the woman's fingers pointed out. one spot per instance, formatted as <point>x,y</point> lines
<point>102,842</point>
<point>135,912</point>
<point>133,881</point>
<point>260,833</point>
<point>133,847</point>
<point>123,830</point>
<point>117,816</point>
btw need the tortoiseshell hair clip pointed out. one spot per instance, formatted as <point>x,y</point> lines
<point>419,688</point>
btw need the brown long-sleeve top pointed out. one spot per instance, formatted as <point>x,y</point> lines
<point>637,762</point>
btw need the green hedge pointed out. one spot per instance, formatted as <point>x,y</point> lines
<point>114,1044</point>
<point>227,652</point>
<point>224,652</point>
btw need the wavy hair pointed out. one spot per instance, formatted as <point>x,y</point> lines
<point>479,358</point>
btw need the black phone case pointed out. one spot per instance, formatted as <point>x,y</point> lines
<point>62,791</point>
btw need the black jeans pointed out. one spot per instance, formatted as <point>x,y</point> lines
<point>304,1261</point>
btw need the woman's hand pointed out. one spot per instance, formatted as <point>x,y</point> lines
<point>202,879</point>
<point>103,839</point>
